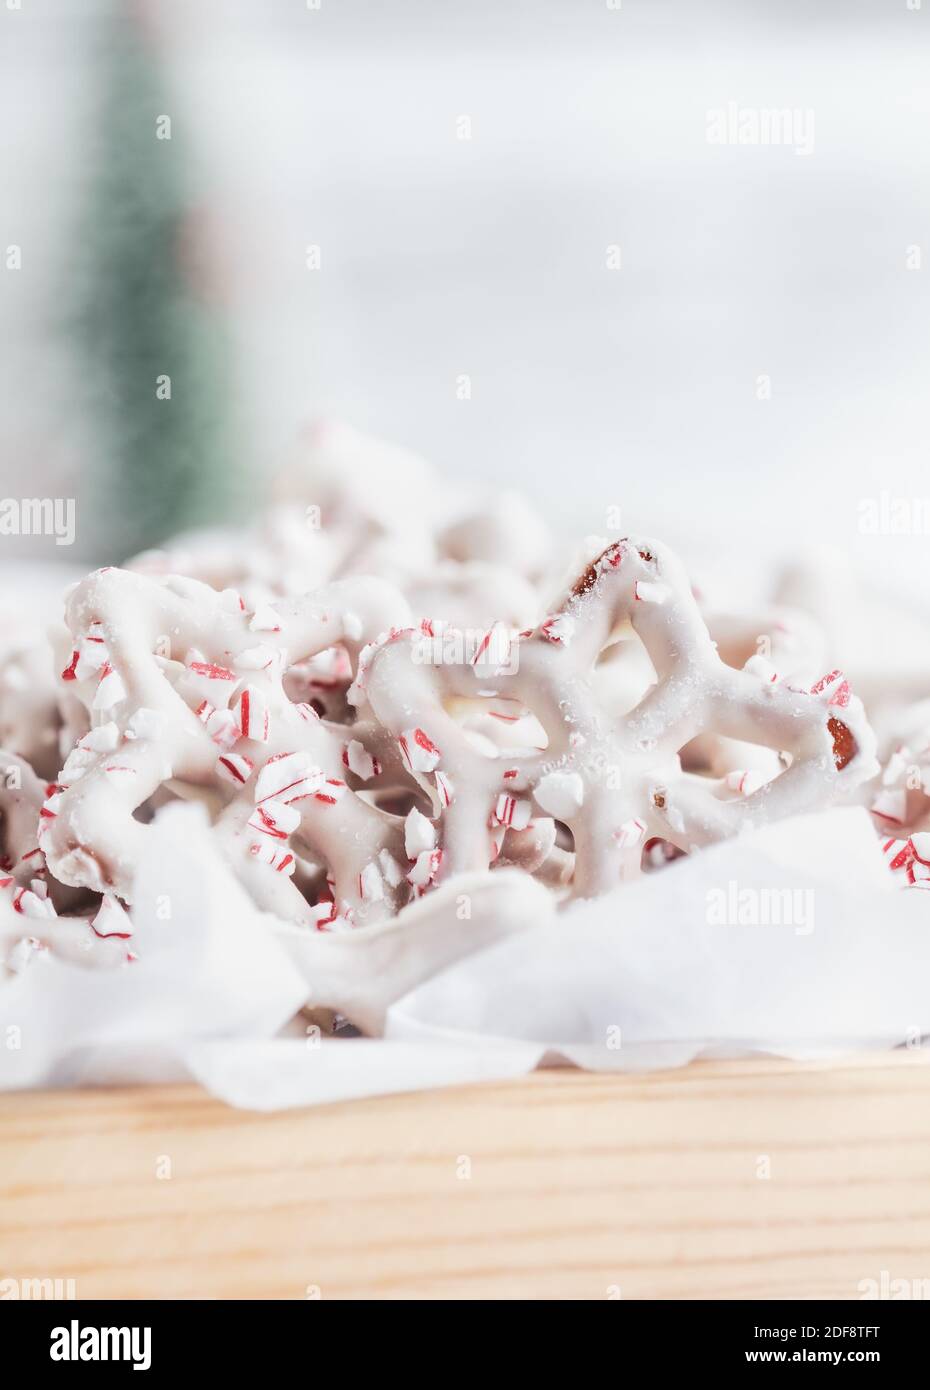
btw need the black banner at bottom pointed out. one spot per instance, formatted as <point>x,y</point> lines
<point>267,1338</point>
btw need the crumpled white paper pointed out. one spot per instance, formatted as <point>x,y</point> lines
<point>677,965</point>
<point>680,963</point>
<point>208,967</point>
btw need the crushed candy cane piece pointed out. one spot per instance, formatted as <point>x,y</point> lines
<point>111,690</point>
<point>391,871</point>
<point>223,728</point>
<point>287,777</point>
<point>252,714</point>
<point>745,781</point>
<point>425,868</point>
<point>358,760</point>
<point>260,659</point>
<point>418,751</point>
<point>630,833</point>
<point>111,919</point>
<point>331,791</point>
<point>281,860</point>
<point>511,812</point>
<point>371,884</point>
<point>275,819</point>
<point>838,686</point>
<point>419,834</point>
<point>234,767</point>
<point>650,591</point>
<point>560,628</point>
<point>444,788</point>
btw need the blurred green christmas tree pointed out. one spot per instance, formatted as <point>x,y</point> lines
<point>154,350</point>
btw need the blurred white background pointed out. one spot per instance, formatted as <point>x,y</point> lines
<point>338,127</point>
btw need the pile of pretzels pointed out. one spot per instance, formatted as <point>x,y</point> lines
<point>383,709</point>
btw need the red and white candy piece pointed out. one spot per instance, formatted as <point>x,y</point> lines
<point>418,751</point>
<point>910,859</point>
<point>111,689</point>
<point>223,728</point>
<point>358,760</point>
<point>279,859</point>
<point>419,834</point>
<point>444,788</point>
<point>325,917</point>
<point>274,819</point>
<point>331,791</point>
<point>252,714</point>
<point>511,812</point>
<point>425,868</point>
<point>630,833</point>
<point>234,767</point>
<point>89,654</point>
<point>391,871</point>
<point>210,671</point>
<point>648,591</point>
<point>262,658</point>
<point>560,629</point>
<point>111,919</point>
<point>34,901</point>
<point>745,781</point>
<point>288,777</point>
<point>371,884</point>
<point>838,686</point>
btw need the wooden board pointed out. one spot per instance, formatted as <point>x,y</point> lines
<point>563,1185</point>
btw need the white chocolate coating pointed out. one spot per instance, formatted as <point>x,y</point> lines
<point>367,750</point>
<point>627,766</point>
<point>169,646</point>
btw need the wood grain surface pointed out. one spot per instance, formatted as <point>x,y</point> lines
<point>562,1186</point>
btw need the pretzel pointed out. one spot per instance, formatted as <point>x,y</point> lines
<point>506,530</point>
<point>473,594</point>
<point>348,504</point>
<point>361,973</point>
<point>614,780</point>
<point>185,686</point>
<point>29,713</point>
<point>31,926</point>
<point>285,557</point>
<point>880,634</point>
<point>900,803</point>
<point>32,904</point>
<point>792,645</point>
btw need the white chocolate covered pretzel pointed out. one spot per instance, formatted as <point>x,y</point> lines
<point>615,781</point>
<point>185,687</point>
<point>900,802</point>
<point>37,913</point>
